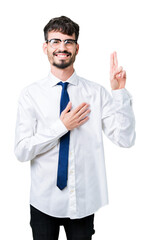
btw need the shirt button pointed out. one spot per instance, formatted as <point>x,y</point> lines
<point>72,191</point>
<point>71,171</point>
<point>71,153</point>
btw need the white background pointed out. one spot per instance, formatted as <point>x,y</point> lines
<point>105,26</point>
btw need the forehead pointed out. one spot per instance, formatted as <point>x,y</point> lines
<point>54,34</point>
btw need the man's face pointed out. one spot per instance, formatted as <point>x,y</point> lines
<point>63,56</point>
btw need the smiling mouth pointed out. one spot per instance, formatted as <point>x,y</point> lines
<point>62,55</point>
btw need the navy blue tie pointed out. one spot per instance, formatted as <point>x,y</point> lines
<point>62,173</point>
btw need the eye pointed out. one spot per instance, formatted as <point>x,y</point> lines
<point>69,42</point>
<point>55,41</point>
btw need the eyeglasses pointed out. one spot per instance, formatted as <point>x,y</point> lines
<point>55,42</point>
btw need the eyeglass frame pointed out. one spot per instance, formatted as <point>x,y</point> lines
<point>61,40</point>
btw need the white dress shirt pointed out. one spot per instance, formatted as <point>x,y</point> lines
<point>38,132</point>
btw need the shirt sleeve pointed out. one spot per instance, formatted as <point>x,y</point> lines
<point>29,143</point>
<point>118,121</point>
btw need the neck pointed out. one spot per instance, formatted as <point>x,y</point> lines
<point>62,74</point>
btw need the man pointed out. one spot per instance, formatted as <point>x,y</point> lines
<point>59,130</point>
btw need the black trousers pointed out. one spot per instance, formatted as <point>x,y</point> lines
<point>45,227</point>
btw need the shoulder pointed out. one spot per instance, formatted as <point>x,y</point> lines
<point>34,87</point>
<point>92,84</point>
<point>88,82</point>
<point>95,88</point>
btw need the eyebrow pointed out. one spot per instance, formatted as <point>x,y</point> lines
<point>70,39</point>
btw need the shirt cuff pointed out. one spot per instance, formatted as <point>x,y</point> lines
<point>59,128</point>
<point>121,94</point>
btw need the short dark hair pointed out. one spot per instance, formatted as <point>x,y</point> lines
<point>61,24</point>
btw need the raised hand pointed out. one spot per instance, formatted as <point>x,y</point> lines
<point>117,74</point>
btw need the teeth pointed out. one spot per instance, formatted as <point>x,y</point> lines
<point>62,56</point>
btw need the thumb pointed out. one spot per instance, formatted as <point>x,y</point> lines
<point>68,107</point>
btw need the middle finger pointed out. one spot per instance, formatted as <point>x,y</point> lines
<point>82,110</point>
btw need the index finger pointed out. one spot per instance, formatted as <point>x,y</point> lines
<point>77,109</point>
<point>115,60</point>
<point>111,62</point>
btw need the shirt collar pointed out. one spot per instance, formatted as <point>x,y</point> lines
<point>54,80</point>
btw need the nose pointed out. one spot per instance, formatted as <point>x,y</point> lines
<point>62,45</point>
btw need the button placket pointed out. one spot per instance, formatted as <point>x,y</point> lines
<point>71,183</point>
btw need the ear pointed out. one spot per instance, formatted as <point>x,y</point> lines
<point>45,48</point>
<point>77,48</point>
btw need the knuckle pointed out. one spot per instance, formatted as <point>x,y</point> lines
<point>77,122</point>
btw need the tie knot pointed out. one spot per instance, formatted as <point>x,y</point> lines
<point>64,85</point>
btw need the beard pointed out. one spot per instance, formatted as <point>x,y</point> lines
<point>63,63</point>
